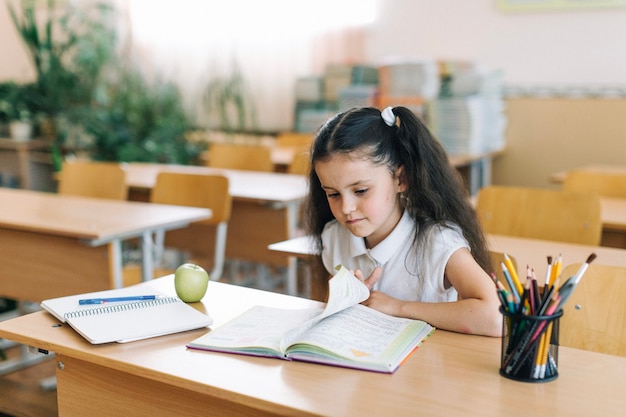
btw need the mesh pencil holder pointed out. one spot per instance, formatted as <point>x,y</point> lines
<point>530,347</point>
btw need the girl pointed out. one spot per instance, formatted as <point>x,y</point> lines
<point>385,202</point>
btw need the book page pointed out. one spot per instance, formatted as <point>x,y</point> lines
<point>345,290</point>
<point>259,329</point>
<point>361,334</point>
<point>263,329</point>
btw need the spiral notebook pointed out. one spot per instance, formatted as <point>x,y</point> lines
<point>126,321</point>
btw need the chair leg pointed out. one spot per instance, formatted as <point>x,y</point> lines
<point>220,251</point>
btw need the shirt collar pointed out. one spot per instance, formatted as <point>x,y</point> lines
<point>382,252</point>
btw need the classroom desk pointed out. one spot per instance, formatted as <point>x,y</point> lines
<point>559,177</point>
<point>613,222</point>
<point>534,252</point>
<point>531,252</point>
<point>450,374</point>
<point>613,209</point>
<point>476,168</point>
<point>266,209</point>
<point>53,245</point>
<point>282,156</point>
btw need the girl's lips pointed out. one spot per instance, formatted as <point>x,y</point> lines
<point>353,221</point>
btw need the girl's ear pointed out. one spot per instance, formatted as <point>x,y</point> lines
<point>400,179</point>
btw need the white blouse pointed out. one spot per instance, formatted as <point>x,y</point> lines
<point>398,258</point>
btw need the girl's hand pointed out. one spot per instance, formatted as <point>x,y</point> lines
<point>372,279</point>
<point>384,303</point>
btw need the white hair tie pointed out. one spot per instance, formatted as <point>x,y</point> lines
<point>388,116</point>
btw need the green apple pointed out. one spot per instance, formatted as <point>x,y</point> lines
<point>191,282</point>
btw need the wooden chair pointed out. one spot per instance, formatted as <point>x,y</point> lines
<point>540,214</point>
<point>497,258</point>
<point>93,179</point>
<point>294,139</point>
<point>603,183</point>
<point>244,157</point>
<point>197,190</point>
<point>300,163</point>
<point>594,317</point>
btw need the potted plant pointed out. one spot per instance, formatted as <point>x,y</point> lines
<point>69,49</point>
<point>20,106</point>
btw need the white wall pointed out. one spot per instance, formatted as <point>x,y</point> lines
<point>533,48</point>
<point>571,47</point>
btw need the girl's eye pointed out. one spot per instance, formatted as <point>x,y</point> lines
<point>332,195</point>
<point>361,191</point>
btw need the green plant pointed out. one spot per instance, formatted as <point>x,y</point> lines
<point>19,102</point>
<point>229,104</point>
<point>100,103</point>
<point>68,50</point>
<point>133,120</point>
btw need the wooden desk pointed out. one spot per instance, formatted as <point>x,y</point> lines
<point>476,169</point>
<point>534,252</point>
<point>53,245</point>
<point>559,177</point>
<point>450,374</point>
<point>266,209</point>
<point>282,157</point>
<point>613,222</point>
<point>531,252</point>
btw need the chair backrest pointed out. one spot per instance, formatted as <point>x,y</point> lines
<point>603,183</point>
<point>197,190</point>
<point>497,259</point>
<point>540,214</point>
<point>93,179</point>
<point>294,139</point>
<point>300,163</point>
<point>594,317</point>
<point>244,157</point>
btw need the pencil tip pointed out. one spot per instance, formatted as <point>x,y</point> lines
<point>549,260</point>
<point>591,258</point>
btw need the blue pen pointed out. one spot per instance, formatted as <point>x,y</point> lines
<point>116,299</point>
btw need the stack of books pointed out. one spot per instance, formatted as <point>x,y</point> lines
<point>340,87</point>
<point>410,79</point>
<point>468,116</point>
<point>339,76</point>
<point>409,84</point>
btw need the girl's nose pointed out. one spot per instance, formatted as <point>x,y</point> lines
<point>348,206</point>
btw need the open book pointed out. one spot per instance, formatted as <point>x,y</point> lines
<point>344,333</point>
<point>125,320</point>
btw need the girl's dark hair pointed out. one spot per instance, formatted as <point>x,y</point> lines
<point>435,194</point>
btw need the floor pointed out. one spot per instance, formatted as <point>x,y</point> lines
<point>21,394</point>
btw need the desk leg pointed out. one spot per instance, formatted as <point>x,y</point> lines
<point>26,357</point>
<point>23,361</point>
<point>147,265</point>
<point>24,164</point>
<point>115,251</point>
<point>293,211</point>
<point>479,174</point>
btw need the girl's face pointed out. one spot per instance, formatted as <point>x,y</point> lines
<point>362,196</point>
